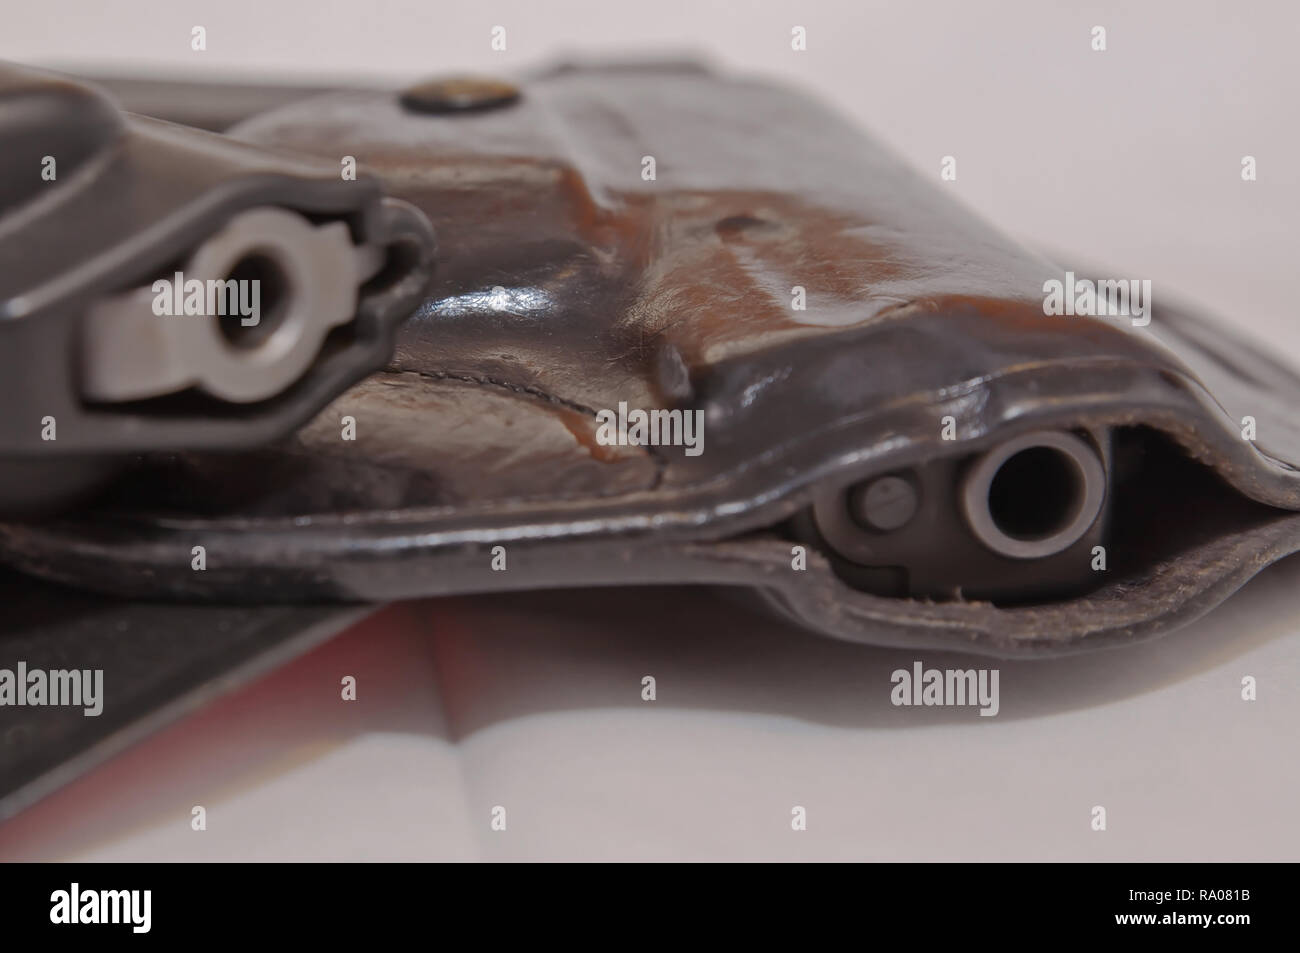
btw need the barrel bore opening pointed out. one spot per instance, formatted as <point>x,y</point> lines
<point>1036,493</point>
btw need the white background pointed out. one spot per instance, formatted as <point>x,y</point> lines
<point>1129,159</point>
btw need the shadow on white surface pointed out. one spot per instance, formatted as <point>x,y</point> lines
<point>535,700</point>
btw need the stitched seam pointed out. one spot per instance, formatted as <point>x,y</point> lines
<point>651,451</point>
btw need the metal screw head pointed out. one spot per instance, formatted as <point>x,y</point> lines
<point>456,94</point>
<point>884,504</point>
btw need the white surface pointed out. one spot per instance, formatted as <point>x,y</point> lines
<point>1128,158</point>
<point>532,702</point>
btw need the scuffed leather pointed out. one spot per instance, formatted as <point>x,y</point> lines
<point>567,283</point>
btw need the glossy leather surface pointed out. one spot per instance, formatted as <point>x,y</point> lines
<point>567,283</point>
